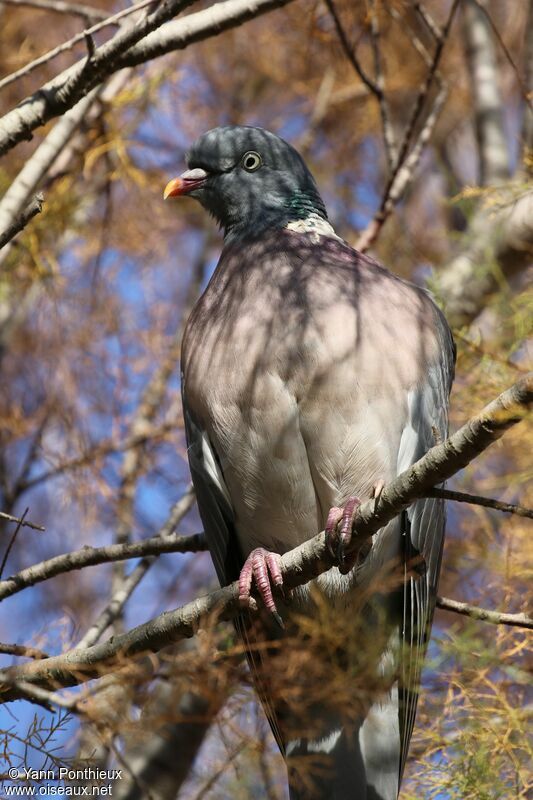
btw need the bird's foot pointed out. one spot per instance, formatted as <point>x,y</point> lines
<point>339,533</point>
<point>263,567</point>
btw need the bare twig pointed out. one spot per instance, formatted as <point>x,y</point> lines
<point>428,20</point>
<point>91,556</point>
<point>495,617</point>
<point>404,175</point>
<point>35,207</point>
<point>60,7</point>
<point>40,162</point>
<point>21,521</point>
<point>22,650</point>
<point>48,699</point>
<point>107,447</point>
<point>388,130</point>
<point>124,590</point>
<point>151,400</point>
<point>350,51</point>
<point>123,50</point>
<point>370,234</point>
<point>12,541</point>
<point>84,36</point>
<point>486,502</point>
<point>300,565</point>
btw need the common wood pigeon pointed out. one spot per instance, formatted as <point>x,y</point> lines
<point>310,376</point>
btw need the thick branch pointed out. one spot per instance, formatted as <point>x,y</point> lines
<point>299,565</point>
<point>498,240</point>
<point>488,111</point>
<point>125,49</point>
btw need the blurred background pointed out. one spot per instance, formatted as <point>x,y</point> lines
<point>93,297</point>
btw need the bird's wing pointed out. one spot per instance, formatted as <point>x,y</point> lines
<point>213,499</point>
<point>423,531</point>
<point>218,518</point>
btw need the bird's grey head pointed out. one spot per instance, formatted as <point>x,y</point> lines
<point>248,179</point>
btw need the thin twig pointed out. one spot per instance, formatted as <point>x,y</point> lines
<point>369,235</point>
<point>495,617</point>
<point>486,502</point>
<point>59,7</point>
<point>298,566</point>
<point>124,590</point>
<point>33,208</point>
<point>388,130</point>
<point>84,36</point>
<point>22,650</point>
<point>428,20</point>
<point>350,51</point>
<point>48,699</point>
<point>21,521</point>
<point>404,176</point>
<point>12,541</point>
<point>126,49</point>
<point>485,353</point>
<point>104,448</point>
<point>92,556</point>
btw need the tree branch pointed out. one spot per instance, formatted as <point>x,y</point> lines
<point>477,500</point>
<point>125,589</point>
<point>501,238</point>
<point>85,35</point>
<point>488,112</point>
<point>91,556</point>
<point>59,7</point>
<point>299,566</point>
<point>23,522</point>
<point>125,49</point>
<point>475,612</point>
<point>20,222</point>
<point>397,182</point>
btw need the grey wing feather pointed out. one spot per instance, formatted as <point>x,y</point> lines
<point>213,500</point>
<point>423,529</point>
<point>218,520</point>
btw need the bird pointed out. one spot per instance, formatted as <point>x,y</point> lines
<point>311,376</point>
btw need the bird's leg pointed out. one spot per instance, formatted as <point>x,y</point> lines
<point>339,533</point>
<point>263,567</point>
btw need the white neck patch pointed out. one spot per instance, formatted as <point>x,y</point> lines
<point>315,225</point>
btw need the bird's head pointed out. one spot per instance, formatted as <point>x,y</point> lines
<point>248,179</point>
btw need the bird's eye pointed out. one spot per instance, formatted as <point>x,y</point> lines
<point>251,161</point>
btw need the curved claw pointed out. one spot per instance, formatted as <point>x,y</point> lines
<point>338,538</point>
<point>261,566</point>
<point>334,517</point>
<point>345,534</point>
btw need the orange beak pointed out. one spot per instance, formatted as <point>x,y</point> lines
<point>186,183</point>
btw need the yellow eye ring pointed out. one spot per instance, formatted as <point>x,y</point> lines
<point>251,161</point>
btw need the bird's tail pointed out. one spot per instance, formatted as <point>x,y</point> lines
<point>356,762</point>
